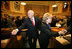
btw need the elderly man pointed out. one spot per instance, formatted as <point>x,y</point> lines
<point>32,24</point>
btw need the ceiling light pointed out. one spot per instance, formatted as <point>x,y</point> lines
<point>54,5</point>
<point>65,3</point>
<point>23,3</point>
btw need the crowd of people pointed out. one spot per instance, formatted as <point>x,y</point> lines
<point>10,21</point>
<point>62,21</point>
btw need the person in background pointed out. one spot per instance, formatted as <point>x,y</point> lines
<point>68,20</point>
<point>64,22</point>
<point>13,22</point>
<point>58,24</point>
<point>54,21</point>
<point>23,19</point>
<point>68,30</point>
<point>13,19</point>
<point>18,21</point>
<point>68,24</point>
<point>4,22</point>
<point>10,22</point>
<point>45,31</point>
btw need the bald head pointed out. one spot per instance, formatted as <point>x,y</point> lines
<point>30,13</point>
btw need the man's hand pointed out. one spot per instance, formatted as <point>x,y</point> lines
<point>14,32</point>
<point>39,32</point>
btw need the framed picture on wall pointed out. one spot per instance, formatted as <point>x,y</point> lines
<point>55,9</point>
<point>16,6</point>
<point>5,4</point>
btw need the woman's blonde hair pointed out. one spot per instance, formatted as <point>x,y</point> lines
<point>46,16</point>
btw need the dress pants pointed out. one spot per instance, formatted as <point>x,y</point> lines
<point>32,41</point>
<point>43,41</point>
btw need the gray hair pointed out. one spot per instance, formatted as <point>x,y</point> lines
<point>29,11</point>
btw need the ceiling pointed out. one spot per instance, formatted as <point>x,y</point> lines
<point>44,2</point>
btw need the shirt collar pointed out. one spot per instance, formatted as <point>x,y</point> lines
<point>32,18</point>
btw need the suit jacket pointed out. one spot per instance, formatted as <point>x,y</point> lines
<point>32,31</point>
<point>46,32</point>
<point>45,35</point>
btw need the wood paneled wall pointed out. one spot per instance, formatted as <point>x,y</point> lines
<point>38,9</point>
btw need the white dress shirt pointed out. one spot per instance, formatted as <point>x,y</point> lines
<point>33,20</point>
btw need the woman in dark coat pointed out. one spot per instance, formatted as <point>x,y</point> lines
<point>46,32</point>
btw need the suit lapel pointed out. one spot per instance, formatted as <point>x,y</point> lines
<point>35,21</point>
<point>47,26</point>
<point>29,21</point>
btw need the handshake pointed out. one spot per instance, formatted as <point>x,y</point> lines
<point>62,32</point>
<point>14,32</point>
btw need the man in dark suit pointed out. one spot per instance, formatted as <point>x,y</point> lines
<point>32,24</point>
